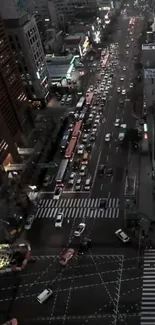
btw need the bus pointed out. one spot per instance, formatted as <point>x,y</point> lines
<point>62,171</point>
<point>64,141</point>
<point>71,149</point>
<point>80,103</point>
<point>89,98</point>
<point>76,130</point>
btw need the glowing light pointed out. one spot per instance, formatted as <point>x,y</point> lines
<point>145,136</point>
<point>145,128</point>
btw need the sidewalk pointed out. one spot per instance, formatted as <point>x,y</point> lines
<point>146,199</point>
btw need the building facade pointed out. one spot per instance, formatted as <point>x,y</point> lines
<point>39,9</point>
<point>148,61</point>
<point>61,11</point>
<point>13,102</point>
<point>27,48</point>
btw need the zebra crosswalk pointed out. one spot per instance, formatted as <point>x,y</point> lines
<point>78,203</point>
<point>78,208</point>
<point>148,290</point>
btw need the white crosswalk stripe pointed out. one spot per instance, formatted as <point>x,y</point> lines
<point>148,290</point>
<point>81,213</point>
<point>78,203</point>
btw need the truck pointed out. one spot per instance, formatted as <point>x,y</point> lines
<point>122,132</point>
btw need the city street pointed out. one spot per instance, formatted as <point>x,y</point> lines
<point>105,284</point>
<point>88,288</point>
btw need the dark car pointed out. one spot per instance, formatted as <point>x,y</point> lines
<point>88,147</point>
<point>103,203</point>
<point>88,125</point>
<point>93,137</point>
<point>101,170</point>
<point>85,245</point>
<point>121,103</point>
<point>76,164</point>
<point>109,172</point>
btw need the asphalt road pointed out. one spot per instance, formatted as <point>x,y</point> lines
<point>105,284</point>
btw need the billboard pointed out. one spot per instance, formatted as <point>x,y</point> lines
<point>149,73</point>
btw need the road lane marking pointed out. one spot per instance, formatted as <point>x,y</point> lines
<point>107,158</point>
<point>110,145</point>
<point>101,187</point>
<point>109,194</point>
<point>98,161</point>
<point>116,149</point>
<point>111,179</point>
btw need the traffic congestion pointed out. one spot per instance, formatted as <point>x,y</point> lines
<point>79,139</point>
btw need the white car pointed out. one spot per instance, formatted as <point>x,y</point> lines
<point>88,184</point>
<point>78,184</point>
<point>82,170</point>
<point>80,229</point>
<point>81,149</point>
<point>94,130</point>
<point>117,122</point>
<point>57,193</point>
<point>59,220</point>
<point>131,85</point>
<point>118,89</point>
<point>107,137</point>
<point>124,68</point>
<point>97,120</point>
<point>29,222</point>
<point>122,78</point>
<point>122,235</point>
<point>123,91</point>
<point>85,138</point>
<point>71,178</point>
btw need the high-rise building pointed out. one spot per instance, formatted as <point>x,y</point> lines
<point>39,9</point>
<point>61,11</point>
<point>13,102</point>
<point>27,47</point>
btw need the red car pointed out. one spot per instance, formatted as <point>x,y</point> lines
<point>66,256</point>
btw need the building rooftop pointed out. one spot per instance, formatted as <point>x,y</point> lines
<point>59,60</point>
<point>57,71</point>
<point>74,36</point>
